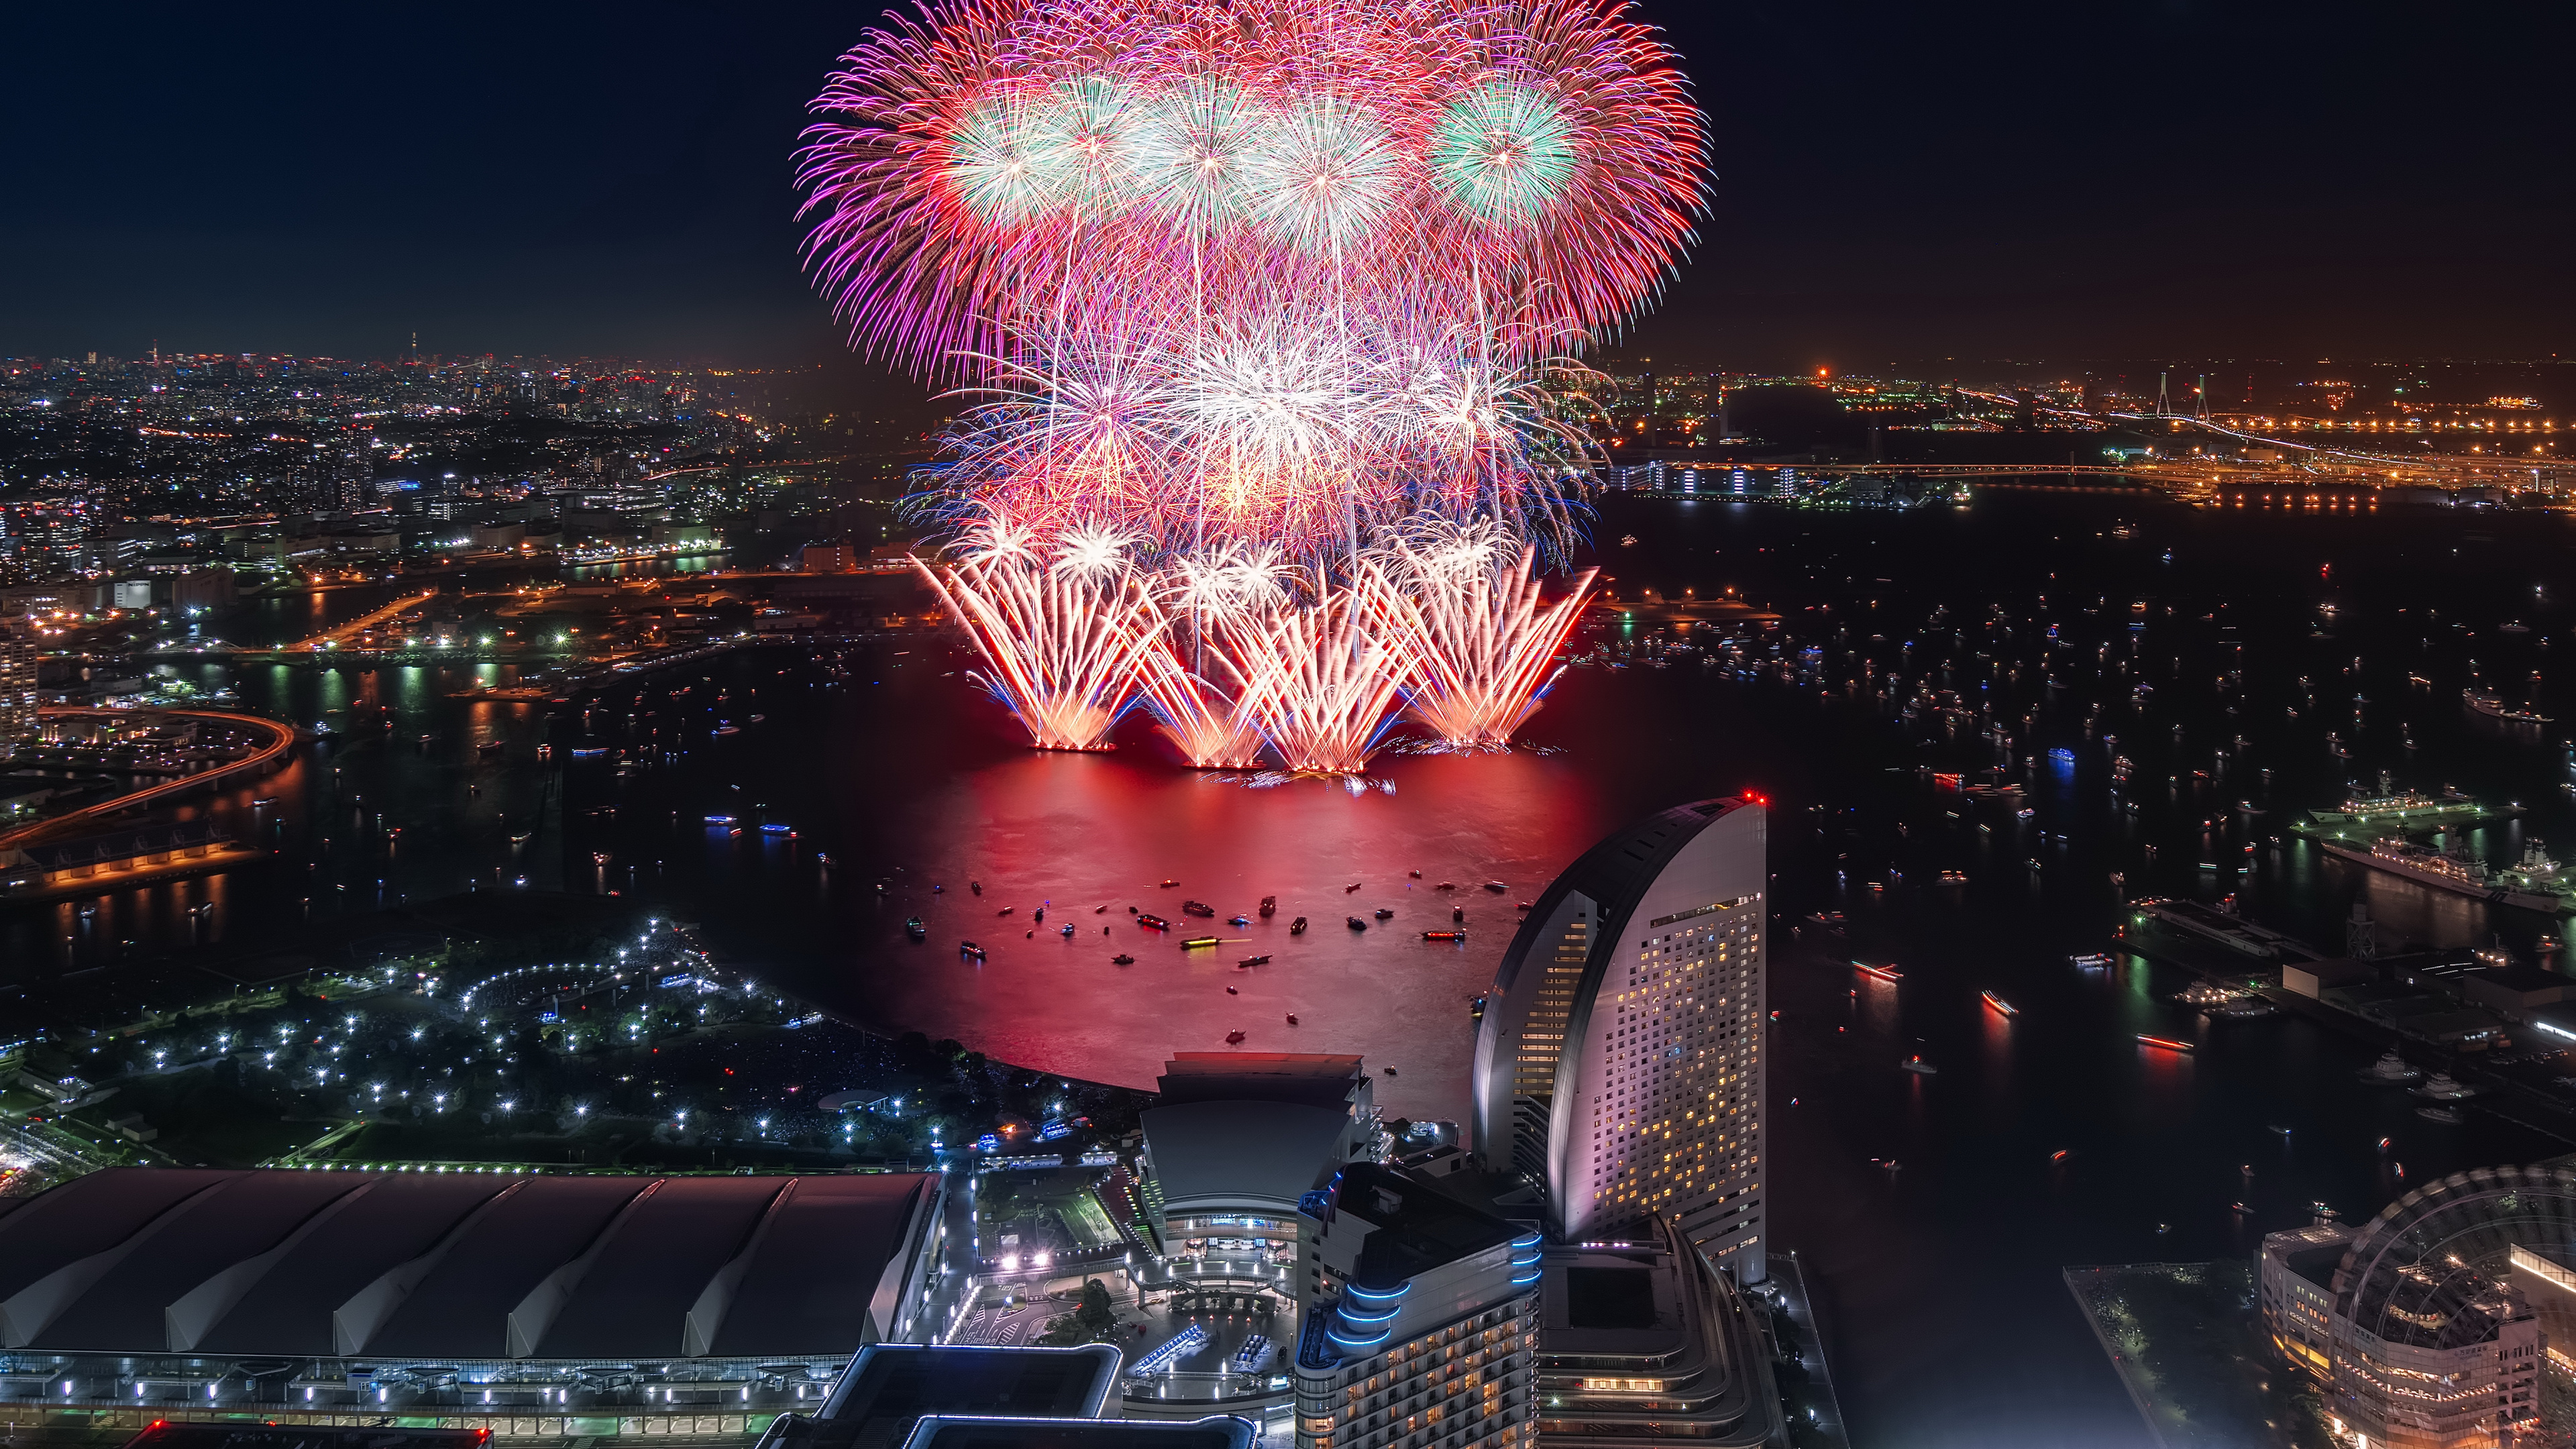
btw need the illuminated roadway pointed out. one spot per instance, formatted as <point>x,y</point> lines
<point>339,634</point>
<point>281,739</point>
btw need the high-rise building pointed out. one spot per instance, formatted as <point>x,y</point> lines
<point>1619,1065</point>
<point>1433,1320</point>
<point>17,682</point>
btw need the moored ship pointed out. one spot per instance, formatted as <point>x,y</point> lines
<point>2536,883</point>
<point>2487,702</point>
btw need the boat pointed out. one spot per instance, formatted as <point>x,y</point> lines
<point>1292,1018</point>
<point>1269,906</point>
<point>1253,961</point>
<point>1167,885</point>
<point>1152,922</point>
<point>915,929</point>
<point>1627,540</point>
<point>1238,922</point>
<point>1825,918</point>
<point>1197,908</point>
<point>1199,943</point>
<point>2445,1088</point>
<point>1006,910</point>
<point>1355,923</point>
<point>719,820</point>
<point>2166,1043</point>
<point>1234,1038</point>
<point>759,719</point>
<point>1122,959</point>
<point>1385,914</point>
<point>1446,886</point>
<point>2487,702</point>
<point>1297,927</point>
<point>1353,886</point>
<point>2447,1116</point>
<point>1068,930</point>
<point>580,752</point>
<point>522,837</point>
<point>1882,973</point>
<point>1230,991</point>
<point>1498,888</point>
<point>1999,1004</point>
<point>489,747</point>
<point>2390,1070</point>
<point>2536,883</point>
<point>1444,935</point>
<point>727,729</point>
<point>2093,961</point>
<point>776,827</point>
<point>970,951</point>
<point>1918,1066</point>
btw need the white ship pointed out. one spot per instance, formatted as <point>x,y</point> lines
<point>2537,883</point>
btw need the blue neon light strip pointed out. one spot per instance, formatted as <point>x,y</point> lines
<point>1381,1295</point>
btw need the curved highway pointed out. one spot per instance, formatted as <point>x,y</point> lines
<point>281,738</point>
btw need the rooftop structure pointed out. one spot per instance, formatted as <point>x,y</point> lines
<point>1647,1341</point>
<point>2422,1323</point>
<point>1431,1320</point>
<point>1252,1132</point>
<point>472,1294</point>
<point>1619,1065</point>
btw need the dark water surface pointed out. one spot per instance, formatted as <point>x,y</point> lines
<point>1939,1276</point>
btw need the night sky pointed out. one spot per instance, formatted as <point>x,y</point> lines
<point>1896,181</point>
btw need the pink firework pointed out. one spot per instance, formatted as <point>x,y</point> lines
<point>994,163</point>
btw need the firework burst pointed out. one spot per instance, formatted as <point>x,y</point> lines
<point>1232,291</point>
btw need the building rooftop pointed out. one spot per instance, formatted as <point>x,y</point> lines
<point>1217,1431</point>
<point>290,1263</point>
<point>1236,1151</point>
<point>890,1388</point>
<point>1415,1227</point>
<point>1312,1081</point>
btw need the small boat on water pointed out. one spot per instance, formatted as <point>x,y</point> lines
<point>1253,961</point>
<point>1167,885</point>
<point>2447,1116</point>
<point>1444,935</point>
<point>2391,1070</point>
<point>1297,927</point>
<point>1355,923</point>
<point>1199,943</point>
<point>970,951</point>
<point>1882,973</point>
<point>1122,959</point>
<point>1197,908</point>
<point>1385,914</point>
<point>2165,1043</point>
<point>1238,922</point>
<point>1292,1018</point>
<point>915,929</point>
<point>1068,930</point>
<point>2092,961</point>
<point>1920,1067</point>
<point>1152,923</point>
<point>1999,1004</point>
<point>1234,1038</point>
<point>1269,906</point>
<point>2444,1088</point>
<point>1498,888</point>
